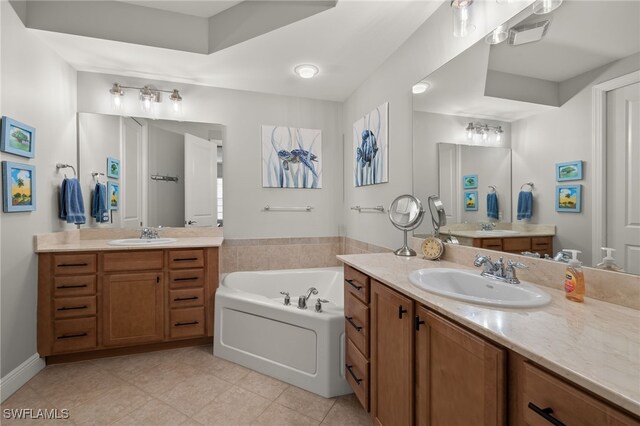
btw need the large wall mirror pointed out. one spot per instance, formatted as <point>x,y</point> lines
<point>502,119</point>
<point>159,173</point>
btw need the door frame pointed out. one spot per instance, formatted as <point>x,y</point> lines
<point>599,157</point>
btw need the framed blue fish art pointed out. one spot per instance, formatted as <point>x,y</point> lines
<point>291,157</point>
<point>371,147</point>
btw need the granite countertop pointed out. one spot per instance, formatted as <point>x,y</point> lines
<point>497,234</point>
<point>593,344</point>
<point>103,245</point>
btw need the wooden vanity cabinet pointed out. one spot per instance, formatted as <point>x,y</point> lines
<point>95,301</point>
<point>517,245</point>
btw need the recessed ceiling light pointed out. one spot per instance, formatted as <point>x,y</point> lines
<point>306,70</point>
<point>420,87</point>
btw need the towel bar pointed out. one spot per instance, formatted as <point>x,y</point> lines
<point>376,208</point>
<point>268,208</point>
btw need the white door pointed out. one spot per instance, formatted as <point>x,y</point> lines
<point>448,180</point>
<point>623,176</point>
<point>200,174</point>
<point>131,178</point>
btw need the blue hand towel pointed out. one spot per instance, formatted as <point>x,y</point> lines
<point>492,205</point>
<point>71,203</point>
<point>525,205</point>
<point>100,207</point>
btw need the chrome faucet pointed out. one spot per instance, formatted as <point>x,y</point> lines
<point>498,270</point>
<point>302,300</point>
<point>319,304</point>
<point>149,233</point>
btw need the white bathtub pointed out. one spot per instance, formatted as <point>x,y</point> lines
<point>255,329</point>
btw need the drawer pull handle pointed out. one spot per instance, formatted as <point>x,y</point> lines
<point>350,320</point>
<point>180,299</point>
<point>67,265</point>
<point>185,259</point>
<point>71,336</point>
<point>401,311</point>
<point>349,369</point>
<point>72,286</point>
<point>186,279</point>
<point>72,308</point>
<point>546,413</point>
<point>418,322</point>
<point>357,287</point>
<point>182,324</point>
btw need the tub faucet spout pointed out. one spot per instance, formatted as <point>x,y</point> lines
<point>302,300</point>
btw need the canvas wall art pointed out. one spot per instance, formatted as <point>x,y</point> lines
<point>113,168</point>
<point>569,198</point>
<point>371,147</point>
<point>18,184</point>
<point>113,192</point>
<point>291,157</point>
<point>18,138</point>
<point>470,181</point>
<point>569,171</point>
<point>471,201</point>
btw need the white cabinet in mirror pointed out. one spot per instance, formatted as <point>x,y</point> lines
<point>169,172</point>
<point>547,96</point>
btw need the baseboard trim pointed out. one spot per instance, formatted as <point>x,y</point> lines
<point>13,381</point>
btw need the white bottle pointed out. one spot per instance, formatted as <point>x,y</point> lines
<point>608,262</point>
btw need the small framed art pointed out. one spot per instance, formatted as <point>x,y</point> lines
<point>113,192</point>
<point>113,168</point>
<point>470,201</point>
<point>569,171</point>
<point>470,181</point>
<point>569,198</point>
<point>17,138</point>
<point>18,187</point>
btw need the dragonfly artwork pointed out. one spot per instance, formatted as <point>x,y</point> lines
<point>371,147</point>
<point>291,157</point>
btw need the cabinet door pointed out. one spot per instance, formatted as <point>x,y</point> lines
<point>460,378</point>
<point>132,308</point>
<point>391,356</point>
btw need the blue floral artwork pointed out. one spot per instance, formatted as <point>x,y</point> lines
<point>291,157</point>
<point>371,146</point>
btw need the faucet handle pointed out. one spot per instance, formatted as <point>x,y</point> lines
<point>519,265</point>
<point>287,299</point>
<point>510,271</point>
<point>319,304</point>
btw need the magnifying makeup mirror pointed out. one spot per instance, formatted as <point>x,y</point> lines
<point>406,213</point>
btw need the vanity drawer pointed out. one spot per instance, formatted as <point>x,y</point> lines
<point>516,244</point>
<point>186,278</point>
<point>69,307</point>
<point>186,298</point>
<point>570,405</point>
<point>357,374</point>
<point>492,243</point>
<point>80,285</point>
<point>187,322</point>
<point>542,245</point>
<point>180,259</point>
<point>133,260</point>
<point>64,264</point>
<point>72,335</point>
<point>356,315</point>
<point>356,283</point>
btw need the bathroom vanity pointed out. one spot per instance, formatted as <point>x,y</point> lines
<point>97,299</point>
<point>413,357</point>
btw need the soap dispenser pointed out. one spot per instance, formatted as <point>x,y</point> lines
<point>574,278</point>
<point>608,262</point>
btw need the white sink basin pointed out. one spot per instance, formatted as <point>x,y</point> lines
<point>473,288</point>
<point>499,232</point>
<point>142,241</point>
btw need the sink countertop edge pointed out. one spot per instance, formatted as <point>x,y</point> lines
<point>617,384</point>
<point>103,245</point>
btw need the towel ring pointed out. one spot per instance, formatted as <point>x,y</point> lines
<point>493,188</point>
<point>66,166</point>
<point>530,184</point>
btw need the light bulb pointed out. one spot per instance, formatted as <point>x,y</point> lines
<point>542,7</point>
<point>498,137</point>
<point>485,136</point>
<point>145,105</point>
<point>469,134</point>
<point>306,70</point>
<point>462,18</point>
<point>419,88</point>
<point>117,97</point>
<point>498,35</point>
<point>176,102</point>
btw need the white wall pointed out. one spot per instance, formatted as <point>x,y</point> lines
<point>166,157</point>
<point>557,136</point>
<point>242,113</point>
<point>430,47</point>
<point>38,88</point>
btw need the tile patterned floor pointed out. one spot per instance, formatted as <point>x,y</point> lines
<point>187,386</point>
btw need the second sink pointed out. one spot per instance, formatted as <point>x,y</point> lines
<point>471,287</point>
<point>142,241</point>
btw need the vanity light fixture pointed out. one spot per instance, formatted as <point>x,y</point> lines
<point>498,35</point>
<point>148,97</point>
<point>306,70</point>
<point>484,130</point>
<point>420,87</point>
<point>541,7</point>
<point>462,18</point>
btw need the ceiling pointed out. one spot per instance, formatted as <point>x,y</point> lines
<point>202,9</point>
<point>347,42</point>
<point>583,36</point>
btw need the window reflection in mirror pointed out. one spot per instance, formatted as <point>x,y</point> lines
<point>541,94</point>
<point>170,172</point>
